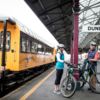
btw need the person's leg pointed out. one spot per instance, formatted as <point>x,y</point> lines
<point>58,79</point>
<point>84,64</point>
<point>60,76</point>
<point>90,73</point>
<point>81,71</point>
<point>93,77</point>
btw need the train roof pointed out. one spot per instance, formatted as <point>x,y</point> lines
<point>24,29</point>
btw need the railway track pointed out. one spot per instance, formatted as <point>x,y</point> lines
<point>15,80</point>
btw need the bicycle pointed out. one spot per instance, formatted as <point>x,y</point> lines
<point>86,78</point>
<point>69,83</point>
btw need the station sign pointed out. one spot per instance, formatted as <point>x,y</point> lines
<point>91,28</point>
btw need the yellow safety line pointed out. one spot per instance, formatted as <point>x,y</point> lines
<point>35,87</point>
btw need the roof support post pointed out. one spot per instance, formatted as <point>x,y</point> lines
<point>71,48</point>
<point>75,39</point>
<point>74,47</point>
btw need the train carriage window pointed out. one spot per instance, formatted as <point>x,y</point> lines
<point>28,45</point>
<point>7,40</point>
<point>40,49</point>
<point>48,51</point>
<point>34,46</point>
<point>44,49</point>
<point>23,44</point>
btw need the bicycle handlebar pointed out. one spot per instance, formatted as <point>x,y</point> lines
<point>69,64</point>
<point>72,66</point>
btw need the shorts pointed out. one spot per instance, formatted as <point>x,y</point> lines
<point>59,73</point>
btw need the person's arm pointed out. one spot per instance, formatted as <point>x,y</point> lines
<point>58,58</point>
<point>86,56</point>
<point>92,59</point>
<point>96,58</point>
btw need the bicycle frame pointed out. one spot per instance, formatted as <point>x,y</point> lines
<point>85,78</point>
<point>71,69</point>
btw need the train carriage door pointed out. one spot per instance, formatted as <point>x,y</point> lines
<point>3,62</point>
<point>6,59</point>
<point>3,46</point>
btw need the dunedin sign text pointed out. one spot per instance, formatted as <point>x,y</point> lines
<point>91,28</point>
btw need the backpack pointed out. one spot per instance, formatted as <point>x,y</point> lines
<point>97,56</point>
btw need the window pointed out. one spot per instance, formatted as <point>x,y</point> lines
<point>40,49</point>
<point>7,40</point>
<point>48,51</point>
<point>28,45</point>
<point>34,47</point>
<point>23,45</point>
<point>44,49</point>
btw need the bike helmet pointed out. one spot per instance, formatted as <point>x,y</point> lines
<point>93,43</point>
<point>61,46</point>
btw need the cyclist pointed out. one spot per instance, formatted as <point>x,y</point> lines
<point>59,67</point>
<point>92,61</point>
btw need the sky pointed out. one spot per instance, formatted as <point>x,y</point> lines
<point>21,11</point>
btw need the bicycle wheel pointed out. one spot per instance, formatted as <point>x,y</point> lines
<point>68,86</point>
<point>94,83</point>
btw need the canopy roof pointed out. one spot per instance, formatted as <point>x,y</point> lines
<point>89,15</point>
<point>57,17</point>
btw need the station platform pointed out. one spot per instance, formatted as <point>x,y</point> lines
<point>41,88</point>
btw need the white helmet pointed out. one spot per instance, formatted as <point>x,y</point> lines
<point>93,43</point>
<point>61,46</point>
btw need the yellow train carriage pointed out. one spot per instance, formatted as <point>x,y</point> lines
<point>23,51</point>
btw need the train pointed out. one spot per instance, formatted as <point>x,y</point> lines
<point>23,52</point>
